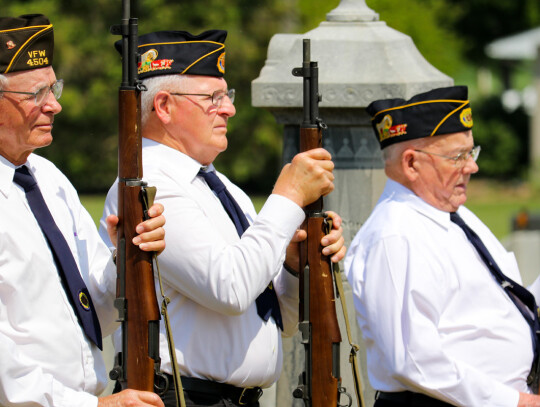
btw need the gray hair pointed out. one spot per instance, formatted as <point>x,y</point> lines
<point>3,83</point>
<point>393,152</point>
<point>153,86</point>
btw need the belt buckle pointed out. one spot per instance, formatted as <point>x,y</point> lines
<point>244,393</point>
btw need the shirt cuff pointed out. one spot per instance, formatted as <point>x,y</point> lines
<point>283,212</point>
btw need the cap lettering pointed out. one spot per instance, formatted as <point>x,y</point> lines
<point>36,54</point>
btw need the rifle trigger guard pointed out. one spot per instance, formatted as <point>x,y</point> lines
<point>343,390</point>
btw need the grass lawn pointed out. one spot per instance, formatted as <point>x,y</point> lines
<point>495,203</point>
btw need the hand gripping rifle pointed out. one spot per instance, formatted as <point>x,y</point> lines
<point>320,382</point>
<point>139,362</point>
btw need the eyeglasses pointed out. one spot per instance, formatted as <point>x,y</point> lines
<point>217,96</point>
<point>40,96</point>
<point>460,159</point>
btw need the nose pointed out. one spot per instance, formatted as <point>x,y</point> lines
<point>227,107</point>
<point>51,104</point>
<point>471,167</point>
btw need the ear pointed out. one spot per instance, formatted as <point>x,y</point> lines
<point>409,164</point>
<point>162,106</point>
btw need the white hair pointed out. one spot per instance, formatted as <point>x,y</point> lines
<point>3,83</point>
<point>393,151</point>
<point>171,83</point>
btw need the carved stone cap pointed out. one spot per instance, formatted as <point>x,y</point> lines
<point>352,10</point>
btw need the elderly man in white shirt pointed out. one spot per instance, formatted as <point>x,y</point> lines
<point>57,278</point>
<point>439,324</point>
<point>215,271</point>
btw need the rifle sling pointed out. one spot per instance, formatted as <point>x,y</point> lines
<point>354,348</point>
<point>148,195</point>
<point>179,393</point>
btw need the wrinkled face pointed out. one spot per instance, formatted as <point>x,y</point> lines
<point>23,125</point>
<point>199,127</point>
<point>441,182</point>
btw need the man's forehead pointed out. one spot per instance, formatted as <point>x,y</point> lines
<point>205,82</point>
<point>30,77</point>
<point>462,138</point>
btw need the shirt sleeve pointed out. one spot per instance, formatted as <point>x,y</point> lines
<point>287,290</point>
<point>97,268</point>
<point>400,310</point>
<point>223,275</point>
<point>25,383</point>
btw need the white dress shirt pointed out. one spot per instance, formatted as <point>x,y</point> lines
<point>434,319</point>
<point>213,277</point>
<point>45,358</point>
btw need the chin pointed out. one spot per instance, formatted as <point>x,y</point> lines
<point>458,202</point>
<point>45,142</point>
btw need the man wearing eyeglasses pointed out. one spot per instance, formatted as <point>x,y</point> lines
<point>437,297</point>
<point>224,266</point>
<point>57,278</point>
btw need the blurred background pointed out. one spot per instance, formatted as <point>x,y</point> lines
<point>454,36</point>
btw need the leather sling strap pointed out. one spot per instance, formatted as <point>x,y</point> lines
<point>353,360</point>
<point>148,198</point>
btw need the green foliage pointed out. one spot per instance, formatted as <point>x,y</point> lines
<point>480,22</point>
<point>503,137</point>
<point>429,24</point>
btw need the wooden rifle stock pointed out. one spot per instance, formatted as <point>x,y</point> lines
<point>320,382</point>
<point>138,363</point>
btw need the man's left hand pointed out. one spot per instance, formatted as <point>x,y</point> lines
<point>333,243</point>
<point>151,235</point>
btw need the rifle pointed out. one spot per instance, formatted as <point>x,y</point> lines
<point>320,382</point>
<point>139,362</point>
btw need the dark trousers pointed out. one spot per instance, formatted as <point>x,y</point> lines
<point>407,399</point>
<point>201,399</point>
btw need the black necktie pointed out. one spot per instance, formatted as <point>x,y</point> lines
<point>72,281</point>
<point>267,302</point>
<point>519,295</point>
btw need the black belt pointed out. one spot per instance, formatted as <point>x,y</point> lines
<point>410,399</point>
<point>237,395</point>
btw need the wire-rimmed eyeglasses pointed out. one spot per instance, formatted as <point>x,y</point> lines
<point>217,96</point>
<point>460,159</point>
<point>40,95</point>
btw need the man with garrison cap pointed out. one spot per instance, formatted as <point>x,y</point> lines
<point>224,265</point>
<point>57,279</point>
<point>438,299</point>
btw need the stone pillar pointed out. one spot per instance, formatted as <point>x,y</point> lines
<point>360,59</point>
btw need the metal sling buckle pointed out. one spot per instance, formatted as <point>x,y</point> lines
<point>248,389</point>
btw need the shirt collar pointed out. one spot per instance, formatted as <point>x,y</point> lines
<point>170,159</point>
<point>7,171</point>
<point>399,192</point>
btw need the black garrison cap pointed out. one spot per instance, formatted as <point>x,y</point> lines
<point>439,111</point>
<point>26,42</point>
<point>179,52</point>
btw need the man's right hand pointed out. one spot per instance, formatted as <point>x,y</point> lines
<point>308,177</point>
<point>131,398</point>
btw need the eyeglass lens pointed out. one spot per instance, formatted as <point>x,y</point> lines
<point>217,96</point>
<point>43,93</point>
